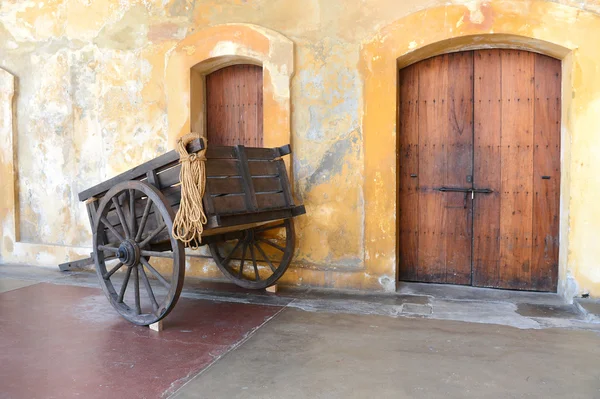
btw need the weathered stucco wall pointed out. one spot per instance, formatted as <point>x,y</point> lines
<point>96,94</point>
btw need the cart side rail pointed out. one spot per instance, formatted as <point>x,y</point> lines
<point>140,172</point>
<point>166,167</point>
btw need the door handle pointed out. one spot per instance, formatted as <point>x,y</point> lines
<point>456,189</point>
<point>466,190</point>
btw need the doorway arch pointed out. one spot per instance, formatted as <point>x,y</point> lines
<point>220,46</point>
<point>446,29</point>
<point>479,169</point>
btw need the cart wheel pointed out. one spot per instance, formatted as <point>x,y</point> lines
<point>258,257</point>
<point>130,216</point>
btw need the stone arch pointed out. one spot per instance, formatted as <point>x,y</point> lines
<point>223,45</point>
<point>535,26</point>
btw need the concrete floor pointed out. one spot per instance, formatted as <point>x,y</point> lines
<point>319,355</point>
<point>59,338</point>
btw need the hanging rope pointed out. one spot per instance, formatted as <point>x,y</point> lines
<point>190,218</point>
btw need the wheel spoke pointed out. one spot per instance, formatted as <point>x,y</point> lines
<point>112,271</point>
<point>156,274</point>
<point>152,234</point>
<point>157,254</point>
<point>138,235</point>
<point>136,284</point>
<point>132,211</point>
<point>124,286</point>
<point>107,248</point>
<point>264,255</point>
<point>271,244</point>
<point>148,287</point>
<point>257,276</point>
<point>121,216</point>
<point>228,258</point>
<point>266,228</point>
<point>106,223</point>
<point>241,271</point>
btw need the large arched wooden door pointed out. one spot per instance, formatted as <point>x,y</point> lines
<point>479,170</point>
<point>234,106</point>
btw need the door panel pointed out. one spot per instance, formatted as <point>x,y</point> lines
<point>486,219</point>
<point>443,158</point>
<point>523,254</point>
<point>408,167</point>
<point>516,148</point>
<point>546,176</point>
<point>513,149</point>
<point>458,145</point>
<point>234,106</point>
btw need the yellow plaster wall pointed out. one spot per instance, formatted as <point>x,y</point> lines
<point>99,90</point>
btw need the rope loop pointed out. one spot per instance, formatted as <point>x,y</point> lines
<point>190,219</point>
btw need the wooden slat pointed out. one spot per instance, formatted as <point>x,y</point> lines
<point>222,167</point>
<point>259,106</point>
<point>216,151</point>
<point>138,172</point>
<point>254,153</point>
<point>546,162</point>
<point>263,168</point>
<point>458,145</point>
<point>168,177</point>
<point>250,110</point>
<point>266,184</point>
<point>285,184</point>
<point>250,196</point>
<point>229,185</point>
<point>487,168</point>
<point>152,178</point>
<point>408,178</point>
<point>517,169</point>
<point>270,201</point>
<point>257,217</point>
<point>92,209</point>
<point>230,204</point>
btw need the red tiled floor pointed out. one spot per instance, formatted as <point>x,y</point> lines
<point>59,341</point>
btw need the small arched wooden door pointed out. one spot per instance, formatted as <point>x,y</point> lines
<point>234,106</point>
<point>479,170</point>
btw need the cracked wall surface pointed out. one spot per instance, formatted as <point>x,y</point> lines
<point>92,100</point>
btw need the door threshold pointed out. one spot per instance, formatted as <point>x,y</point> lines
<point>470,293</point>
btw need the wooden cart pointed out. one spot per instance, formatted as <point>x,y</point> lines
<point>250,231</point>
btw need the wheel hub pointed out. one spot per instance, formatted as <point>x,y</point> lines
<point>129,253</point>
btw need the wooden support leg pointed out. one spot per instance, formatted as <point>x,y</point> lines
<point>272,288</point>
<point>158,326</point>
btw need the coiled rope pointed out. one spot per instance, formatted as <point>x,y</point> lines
<point>190,219</point>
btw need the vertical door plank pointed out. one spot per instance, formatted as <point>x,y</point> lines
<point>487,168</point>
<point>258,105</point>
<point>233,112</point>
<point>211,106</point>
<point>458,146</point>
<point>219,136</point>
<point>408,168</point>
<point>517,169</point>
<point>546,173</point>
<point>247,115</point>
<point>433,120</point>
